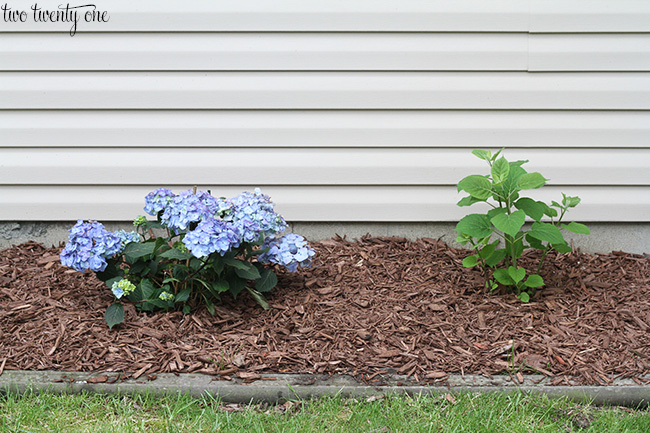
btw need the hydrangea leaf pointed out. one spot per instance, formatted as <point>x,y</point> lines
<point>220,286</point>
<point>236,283</point>
<point>183,295</point>
<point>175,254</point>
<point>114,315</point>
<point>259,298</point>
<point>510,224</point>
<point>267,281</point>
<point>134,251</point>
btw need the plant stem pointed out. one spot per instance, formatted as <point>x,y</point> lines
<point>541,261</point>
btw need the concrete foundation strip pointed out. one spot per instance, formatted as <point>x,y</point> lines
<point>282,387</point>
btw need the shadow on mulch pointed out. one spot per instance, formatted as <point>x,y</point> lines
<point>373,306</point>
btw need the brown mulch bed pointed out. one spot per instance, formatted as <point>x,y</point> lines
<point>373,306</point>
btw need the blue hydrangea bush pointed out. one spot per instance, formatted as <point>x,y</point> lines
<point>198,248</point>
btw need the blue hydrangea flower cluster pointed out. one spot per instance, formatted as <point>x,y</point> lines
<point>253,213</point>
<point>127,237</point>
<point>122,288</point>
<point>156,201</point>
<point>290,251</point>
<point>212,235</point>
<point>89,245</point>
<point>187,208</point>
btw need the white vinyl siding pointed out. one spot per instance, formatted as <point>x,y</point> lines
<point>341,111</point>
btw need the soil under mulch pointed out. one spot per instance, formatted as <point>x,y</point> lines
<point>368,307</point>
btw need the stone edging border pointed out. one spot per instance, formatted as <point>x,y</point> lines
<point>274,388</point>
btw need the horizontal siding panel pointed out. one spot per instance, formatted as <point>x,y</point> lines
<point>315,166</point>
<point>578,16</point>
<point>313,203</point>
<point>325,52</point>
<point>295,15</point>
<point>273,51</point>
<point>224,129</point>
<point>590,52</point>
<point>320,90</point>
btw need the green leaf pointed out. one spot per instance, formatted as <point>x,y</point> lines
<point>259,298</point>
<point>546,232</point>
<point>496,211</point>
<point>577,228</point>
<point>114,315</point>
<point>531,181</point>
<point>533,281</point>
<point>267,281</point>
<point>135,250</point>
<point>496,155</point>
<point>111,271</point>
<point>495,258</point>
<point>475,225</point>
<point>209,305</point>
<point>517,274</point>
<point>175,254</point>
<point>112,281</point>
<point>483,154</point>
<point>470,261</point>
<point>487,250</point>
<point>220,286</point>
<point>510,224</point>
<point>196,264</point>
<point>532,208</point>
<point>562,248</point>
<point>570,201</point>
<point>170,280</point>
<point>142,292</point>
<point>524,297</point>
<point>183,295</point>
<point>534,243</point>
<point>509,188</point>
<point>500,170</point>
<point>246,270</point>
<point>236,284</point>
<point>477,186</point>
<point>501,275</point>
<point>186,309</point>
<point>468,201</point>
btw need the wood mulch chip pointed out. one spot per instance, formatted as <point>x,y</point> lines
<point>366,308</point>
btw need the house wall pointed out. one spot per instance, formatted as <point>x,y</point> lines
<point>349,114</point>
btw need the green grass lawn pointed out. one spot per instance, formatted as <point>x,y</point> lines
<point>500,413</point>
